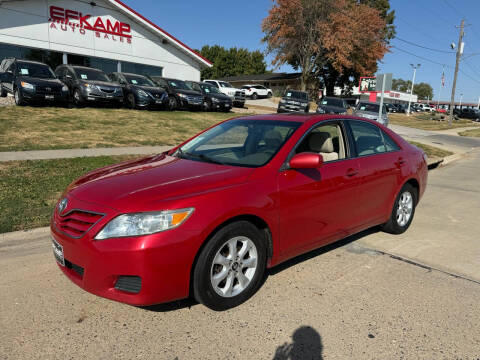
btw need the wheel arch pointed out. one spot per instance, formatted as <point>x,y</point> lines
<point>256,220</point>
<point>416,185</point>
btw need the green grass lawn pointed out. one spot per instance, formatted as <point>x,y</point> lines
<point>36,128</point>
<point>470,133</point>
<point>424,121</point>
<point>29,189</point>
<point>432,151</point>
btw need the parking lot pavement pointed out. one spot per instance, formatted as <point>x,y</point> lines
<point>445,231</point>
<point>343,301</point>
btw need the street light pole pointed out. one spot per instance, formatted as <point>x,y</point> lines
<point>415,67</point>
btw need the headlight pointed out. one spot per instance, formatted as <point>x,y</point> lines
<point>215,99</point>
<point>91,86</point>
<point>65,88</point>
<point>27,86</point>
<point>142,93</point>
<point>182,95</point>
<point>143,223</point>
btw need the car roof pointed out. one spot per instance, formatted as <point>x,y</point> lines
<point>83,67</point>
<point>302,117</point>
<point>30,61</point>
<point>124,73</point>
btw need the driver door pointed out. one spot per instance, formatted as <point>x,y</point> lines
<point>317,205</point>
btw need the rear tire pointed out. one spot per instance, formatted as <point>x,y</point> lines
<point>254,96</point>
<point>269,95</point>
<point>231,266</point>
<point>403,211</point>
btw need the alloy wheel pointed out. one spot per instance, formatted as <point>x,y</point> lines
<point>234,266</point>
<point>404,208</point>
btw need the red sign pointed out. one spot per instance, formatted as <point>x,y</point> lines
<point>76,19</point>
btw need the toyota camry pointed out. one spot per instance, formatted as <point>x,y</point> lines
<point>205,219</point>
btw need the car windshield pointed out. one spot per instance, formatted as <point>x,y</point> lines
<point>35,70</point>
<point>91,74</point>
<point>368,107</point>
<point>178,84</point>
<point>332,102</point>
<point>249,143</point>
<point>225,84</point>
<point>139,80</point>
<point>210,89</point>
<point>296,95</point>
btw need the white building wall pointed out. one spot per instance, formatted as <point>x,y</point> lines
<point>26,23</point>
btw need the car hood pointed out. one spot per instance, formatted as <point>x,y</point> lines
<point>368,114</point>
<point>219,96</point>
<point>150,89</point>
<point>143,183</point>
<point>41,82</point>
<point>333,109</point>
<point>187,92</point>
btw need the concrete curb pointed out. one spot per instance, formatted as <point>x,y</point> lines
<point>451,158</point>
<point>23,235</point>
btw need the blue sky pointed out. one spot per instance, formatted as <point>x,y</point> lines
<point>429,23</point>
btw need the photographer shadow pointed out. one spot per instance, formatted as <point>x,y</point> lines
<point>306,345</point>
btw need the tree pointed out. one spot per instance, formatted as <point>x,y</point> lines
<point>231,62</point>
<point>332,42</point>
<point>423,90</point>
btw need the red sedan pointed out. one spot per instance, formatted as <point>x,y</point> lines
<point>206,218</point>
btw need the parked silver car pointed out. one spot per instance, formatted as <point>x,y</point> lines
<point>370,111</point>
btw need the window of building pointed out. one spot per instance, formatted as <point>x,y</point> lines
<point>141,69</point>
<point>51,58</point>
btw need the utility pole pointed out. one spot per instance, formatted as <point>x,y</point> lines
<point>415,67</point>
<point>457,63</point>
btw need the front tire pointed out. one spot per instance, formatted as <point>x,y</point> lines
<point>269,95</point>
<point>172,104</point>
<point>3,92</point>
<point>206,105</point>
<point>254,96</point>
<point>78,98</point>
<point>403,211</point>
<point>131,103</point>
<point>230,268</point>
<point>18,98</point>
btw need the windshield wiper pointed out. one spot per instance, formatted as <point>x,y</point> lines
<point>202,157</point>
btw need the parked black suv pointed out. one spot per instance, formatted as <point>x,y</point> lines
<point>213,99</point>
<point>180,96</point>
<point>139,91</point>
<point>294,101</point>
<point>31,82</point>
<point>469,113</point>
<point>89,85</point>
<point>332,105</point>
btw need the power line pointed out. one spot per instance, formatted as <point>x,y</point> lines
<point>424,47</point>
<point>418,29</point>
<point>453,8</point>
<point>421,57</point>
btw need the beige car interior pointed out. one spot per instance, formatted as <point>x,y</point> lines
<point>321,141</point>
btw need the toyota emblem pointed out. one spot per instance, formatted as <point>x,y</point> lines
<point>62,205</point>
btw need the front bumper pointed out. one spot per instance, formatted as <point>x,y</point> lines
<point>152,102</point>
<point>99,96</point>
<point>34,96</point>
<point>162,261</point>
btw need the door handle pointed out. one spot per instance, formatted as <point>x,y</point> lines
<point>352,172</point>
<point>401,161</point>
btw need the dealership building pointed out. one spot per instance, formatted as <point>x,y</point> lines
<point>104,34</point>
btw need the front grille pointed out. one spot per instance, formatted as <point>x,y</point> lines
<point>47,90</point>
<point>131,284</point>
<point>106,90</point>
<point>193,98</point>
<point>76,223</point>
<point>239,95</point>
<point>76,268</point>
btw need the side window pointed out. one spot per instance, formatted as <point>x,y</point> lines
<point>196,87</point>
<point>327,140</point>
<point>162,83</point>
<point>389,143</point>
<point>367,137</point>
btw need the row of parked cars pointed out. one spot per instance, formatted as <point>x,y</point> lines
<point>35,82</point>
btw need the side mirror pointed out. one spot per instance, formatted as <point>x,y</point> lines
<point>306,161</point>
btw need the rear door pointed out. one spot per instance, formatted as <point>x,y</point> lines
<point>380,161</point>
